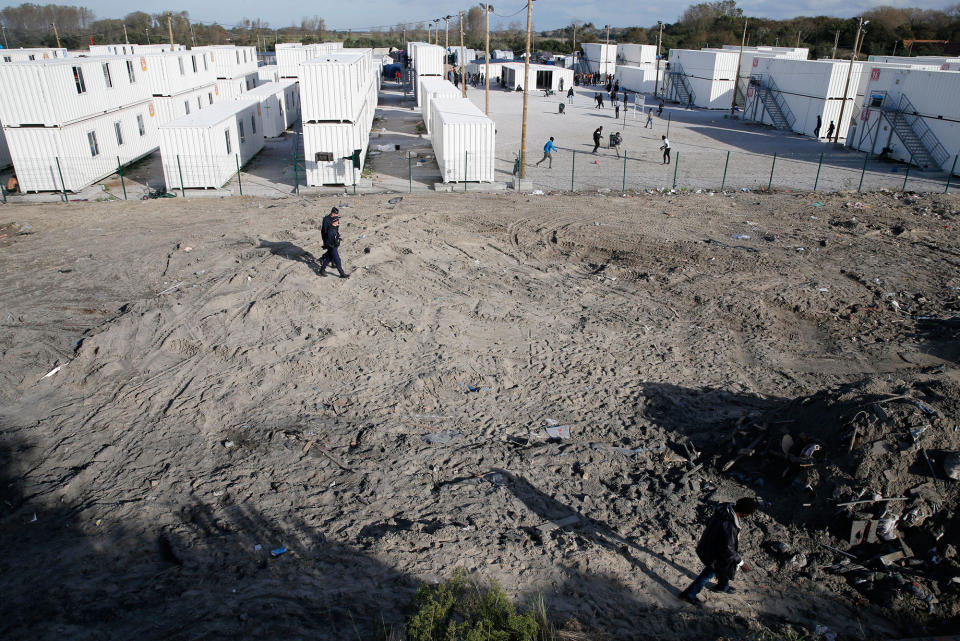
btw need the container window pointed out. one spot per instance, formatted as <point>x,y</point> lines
<point>210,97</point>
<point>140,126</point>
<point>94,147</point>
<point>253,123</point>
<point>32,57</point>
<point>119,132</point>
<point>226,133</point>
<point>130,73</point>
<point>204,56</point>
<point>238,57</point>
<point>194,59</point>
<point>78,79</point>
<point>186,106</point>
<point>106,75</point>
<point>199,103</point>
<point>182,72</point>
<point>243,137</point>
<point>7,59</point>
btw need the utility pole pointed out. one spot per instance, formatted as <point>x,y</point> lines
<point>193,36</point>
<point>836,41</point>
<point>798,40</point>
<point>895,42</point>
<point>574,50</point>
<point>126,40</point>
<point>656,79</point>
<point>446,43</point>
<point>55,34</point>
<point>436,31</point>
<point>147,31</point>
<point>846,89</point>
<point>170,29</point>
<point>736,78</point>
<point>486,71</point>
<point>526,80</point>
<point>463,55</point>
<point>3,28</point>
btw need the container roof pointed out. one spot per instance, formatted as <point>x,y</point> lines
<point>335,56</point>
<point>210,116</point>
<point>267,89</point>
<point>53,62</point>
<point>454,110</point>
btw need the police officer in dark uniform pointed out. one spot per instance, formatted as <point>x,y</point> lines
<point>330,231</point>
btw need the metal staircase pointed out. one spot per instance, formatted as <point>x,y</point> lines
<point>773,101</point>
<point>679,85</point>
<point>915,135</point>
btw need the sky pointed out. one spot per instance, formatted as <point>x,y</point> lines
<point>548,14</point>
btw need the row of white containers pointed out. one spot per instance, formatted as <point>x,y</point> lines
<point>709,75</point>
<point>128,49</point>
<point>432,87</point>
<point>207,148</point>
<point>25,55</point>
<point>463,140</point>
<point>290,55</point>
<point>427,59</point>
<point>935,96</point>
<point>279,105</point>
<point>600,58</point>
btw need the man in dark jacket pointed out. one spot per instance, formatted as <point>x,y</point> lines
<point>597,137</point>
<point>718,548</point>
<point>330,231</point>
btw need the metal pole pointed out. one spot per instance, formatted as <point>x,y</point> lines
<point>463,54</point>
<point>526,85</point>
<point>170,29</point>
<point>120,171</point>
<point>410,170</point>
<point>573,168</point>
<point>836,41</point>
<point>465,172</point>
<point>126,40</point>
<point>676,165</point>
<point>907,175</point>
<point>3,193</point>
<point>949,176</point>
<point>725,165</point>
<point>486,71</point>
<point>63,186</point>
<point>55,34</point>
<point>296,175</point>
<point>239,182</point>
<point>624,188</point>
<point>846,89</point>
<point>819,165</point>
<point>736,78</point>
<point>863,172</point>
<point>774,164</point>
<point>669,118</point>
<point>656,79</point>
<point>183,192</point>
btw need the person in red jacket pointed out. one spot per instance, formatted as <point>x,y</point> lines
<point>718,548</point>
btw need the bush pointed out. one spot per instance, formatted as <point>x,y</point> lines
<point>458,611</point>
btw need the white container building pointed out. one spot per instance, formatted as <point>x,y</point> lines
<point>502,54</point>
<point>469,55</point>
<point>913,112</point>
<point>793,53</point>
<point>327,144</point>
<point>429,59</point>
<point>209,144</point>
<point>541,76</point>
<point>639,79</point>
<point>232,61</point>
<point>61,91</point>
<point>636,55</point>
<point>701,78</point>
<point>463,140</point>
<point>432,87</point>
<point>29,55</point>
<point>184,104</point>
<point>175,72</point>
<point>334,87</point>
<point>942,63</point>
<point>600,58</point>
<point>233,88</point>
<point>496,69</point>
<point>268,73</point>
<point>279,105</point>
<point>82,152</point>
<point>803,90</point>
<point>132,49</point>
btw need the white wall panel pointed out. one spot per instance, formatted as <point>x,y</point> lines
<point>26,55</point>
<point>601,58</point>
<point>232,61</point>
<point>434,87</point>
<point>279,105</point>
<point>268,73</point>
<point>636,55</point>
<point>171,73</point>
<point>173,107</point>
<point>334,87</point>
<point>463,140</point>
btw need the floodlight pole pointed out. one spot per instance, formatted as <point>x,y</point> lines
<point>170,29</point>
<point>846,89</point>
<point>463,55</point>
<point>126,40</point>
<point>736,78</point>
<point>486,71</point>
<point>526,79</point>
<point>656,78</point>
<point>55,34</point>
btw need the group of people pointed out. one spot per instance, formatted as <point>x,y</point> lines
<point>586,79</point>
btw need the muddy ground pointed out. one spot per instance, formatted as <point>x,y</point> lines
<point>181,394</point>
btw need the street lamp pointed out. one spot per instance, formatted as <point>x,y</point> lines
<point>856,50</point>
<point>487,9</point>
<point>656,79</point>
<point>526,86</point>
<point>446,41</point>
<point>436,31</point>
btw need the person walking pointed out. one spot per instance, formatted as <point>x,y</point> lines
<point>561,84</point>
<point>599,99</point>
<point>616,111</point>
<point>718,549</point>
<point>666,150</point>
<point>330,231</point>
<point>570,95</point>
<point>830,130</point>
<point>617,141</point>
<point>616,86</point>
<point>816,130</point>
<point>597,137</point>
<point>649,123</point>
<point>660,110</point>
<point>548,150</point>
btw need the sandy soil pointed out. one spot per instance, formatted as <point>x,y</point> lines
<point>216,400</point>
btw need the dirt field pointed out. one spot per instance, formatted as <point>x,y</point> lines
<point>214,400</point>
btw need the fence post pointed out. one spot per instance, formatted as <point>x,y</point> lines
<point>465,172</point>
<point>3,193</point>
<point>573,168</point>
<point>863,172</point>
<point>624,188</point>
<point>774,164</point>
<point>725,165</point>
<point>669,117</point>
<point>239,182</point>
<point>819,165</point>
<point>907,175</point>
<point>949,176</point>
<point>120,171</point>
<point>676,166</point>
<point>183,191</point>
<point>63,186</point>
<point>296,175</point>
<point>410,170</point>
